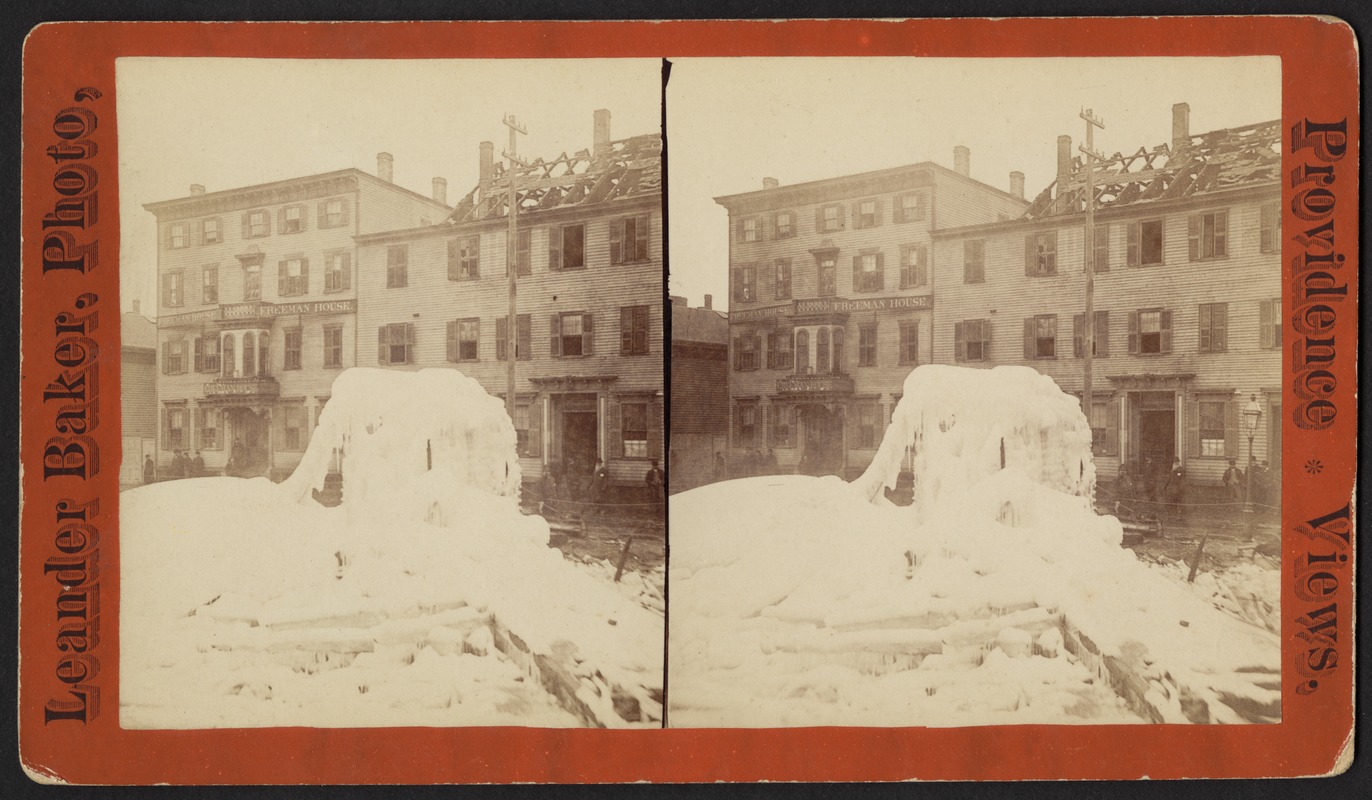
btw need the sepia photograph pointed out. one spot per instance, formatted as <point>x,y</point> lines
<point>392,393</point>
<point>976,391</point>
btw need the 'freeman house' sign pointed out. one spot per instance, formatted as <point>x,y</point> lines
<point>830,305</point>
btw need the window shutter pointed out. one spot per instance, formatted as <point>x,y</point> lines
<point>501,338</point>
<point>323,213</point>
<point>304,274</point>
<point>1231,429</point>
<point>536,430</point>
<point>819,219</point>
<point>1078,336</point>
<point>881,267</point>
<point>641,236</point>
<point>199,354</point>
<point>166,429</point>
<point>247,227</point>
<point>880,211</point>
<point>738,353</point>
<point>1204,341</point>
<point>654,429</point>
<point>857,213</point>
<point>626,330</point>
<point>454,259</point>
<point>281,278</point>
<point>554,248</point>
<point>166,353</point>
<point>587,335</point>
<point>193,235</point>
<point>382,352</point>
<point>1219,327</point>
<point>1267,227</point>
<point>555,335</point>
<point>1112,427</point>
<point>523,326</point>
<point>347,270</point>
<point>614,428</point>
<point>281,219</point>
<point>1102,333</point>
<point>344,216</point>
<point>1193,447</point>
<point>1222,234</point>
<point>452,340</point>
<point>199,423</point>
<point>857,274</point>
<point>475,243</point>
<point>1133,332</point>
<point>1166,331</point>
<point>921,266</point>
<point>1132,248</point>
<point>1029,255</point>
<point>960,341</point>
<point>409,343</point>
<point>1193,236</point>
<point>1266,323</point>
<point>1029,337</point>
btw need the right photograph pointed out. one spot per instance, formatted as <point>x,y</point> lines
<point>975,405</point>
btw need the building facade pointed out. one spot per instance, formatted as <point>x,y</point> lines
<point>588,330</point>
<point>137,393</point>
<point>832,304</point>
<point>257,310</point>
<point>699,429</point>
<point>1187,287</point>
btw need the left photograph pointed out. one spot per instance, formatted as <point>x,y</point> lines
<point>392,393</point>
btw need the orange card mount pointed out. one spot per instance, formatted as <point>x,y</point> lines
<point>605,724</point>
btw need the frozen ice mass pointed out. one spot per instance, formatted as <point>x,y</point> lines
<point>425,598</point>
<point>999,596</point>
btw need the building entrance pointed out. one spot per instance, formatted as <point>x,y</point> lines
<point>823,444</point>
<point>1153,434</point>
<point>250,444</point>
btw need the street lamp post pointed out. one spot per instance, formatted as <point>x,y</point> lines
<point>1251,414</point>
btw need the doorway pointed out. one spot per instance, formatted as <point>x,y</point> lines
<point>822,452</point>
<point>250,445</point>
<point>1153,436</point>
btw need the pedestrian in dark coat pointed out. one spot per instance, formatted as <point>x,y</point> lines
<point>657,483</point>
<point>149,469</point>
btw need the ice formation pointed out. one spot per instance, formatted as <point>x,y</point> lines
<point>997,597</point>
<point>426,598</point>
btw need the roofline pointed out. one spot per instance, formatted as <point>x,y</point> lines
<point>921,166</point>
<point>501,222</point>
<point>158,205</point>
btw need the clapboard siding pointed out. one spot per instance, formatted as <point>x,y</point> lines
<point>383,208</point>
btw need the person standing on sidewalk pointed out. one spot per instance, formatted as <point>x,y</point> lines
<point>657,484</point>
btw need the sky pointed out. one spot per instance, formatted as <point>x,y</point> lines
<point>229,123</point>
<point>733,121</point>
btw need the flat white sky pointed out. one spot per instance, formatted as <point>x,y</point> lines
<point>733,121</point>
<point>229,123</point>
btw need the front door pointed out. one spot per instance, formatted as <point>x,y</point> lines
<point>579,451</point>
<point>249,451</point>
<point>823,446</point>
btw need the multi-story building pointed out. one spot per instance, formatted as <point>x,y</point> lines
<point>137,393</point>
<point>832,304</point>
<point>699,429</point>
<point>258,306</point>
<point>588,329</point>
<point>1187,255</point>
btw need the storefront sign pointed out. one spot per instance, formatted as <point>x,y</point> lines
<point>830,305</point>
<point>239,387</point>
<point>235,311</point>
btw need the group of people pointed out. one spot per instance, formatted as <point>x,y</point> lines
<point>585,493</point>
<point>182,466</point>
<point>754,462</point>
<point>1260,482</point>
<point>1149,483</point>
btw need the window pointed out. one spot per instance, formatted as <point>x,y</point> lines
<point>867,416</point>
<point>629,239</point>
<point>745,283</point>
<point>1150,331</point>
<point>782,283</point>
<point>333,213</point>
<point>1104,422</point>
<point>521,423</point>
<point>1041,254</point>
<point>779,352</point>
<point>1214,324</point>
<point>633,330</point>
<point>868,272</point>
<point>838,350</point>
<point>1207,235</point>
<point>174,428</point>
<point>249,355</point>
<point>748,230</point>
<point>972,340</point>
<point>914,266</point>
<point>974,261</point>
<point>210,231</point>
<point>745,424</point>
<point>463,337</point>
<point>909,207</point>
<point>634,429</point>
<point>207,353</point>
<point>827,265</point>
<point>829,218</point>
<point>174,357</point>
<point>523,246</point>
<point>333,345</point>
<point>867,214</point>
<point>1269,323</point>
<point>227,357</point>
<point>784,225</point>
<point>782,425</point>
<point>909,343</point>
<point>1100,254</point>
<point>1101,335</point>
<point>745,352</point>
<point>464,258</point>
<point>522,350</point>
<point>293,427</point>
<point>180,235</point>
<point>291,349</point>
<point>397,266</point>
<point>867,345</point>
<point>567,247</point>
<point>1041,336</point>
<point>256,224</point>
<point>802,352</point>
<point>337,272</point>
<point>572,334</point>
<point>252,282</point>
<point>209,285</point>
<point>292,219</point>
<point>822,350</point>
<point>293,277</point>
<point>1269,228</point>
<point>1211,424</point>
<point>173,289</point>
<point>208,418</point>
<point>395,343</point>
<point>1145,243</point>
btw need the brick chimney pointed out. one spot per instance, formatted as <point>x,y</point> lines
<point>1064,159</point>
<point>1017,184</point>
<point>1181,126</point>
<point>709,302</point>
<point>601,136</point>
<point>385,167</point>
<point>770,183</point>
<point>962,161</point>
<point>197,189</point>
<point>487,170</point>
<point>441,190</point>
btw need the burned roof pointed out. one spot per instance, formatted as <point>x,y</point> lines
<point>628,169</point>
<point>1207,162</point>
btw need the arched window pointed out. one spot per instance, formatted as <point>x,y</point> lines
<point>838,349</point>
<point>822,350</point>
<point>802,351</point>
<point>262,342</point>
<point>229,366</point>
<point>249,353</point>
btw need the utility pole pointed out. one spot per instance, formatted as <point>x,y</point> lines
<point>512,262</point>
<point>1089,318</point>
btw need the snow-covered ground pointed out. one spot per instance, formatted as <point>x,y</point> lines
<point>426,598</point>
<point>998,597</point>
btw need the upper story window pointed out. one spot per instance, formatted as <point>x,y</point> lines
<point>779,352</point>
<point>567,247</point>
<point>1213,329</point>
<point>293,219</point>
<point>868,272</point>
<point>974,261</point>
<point>523,352</point>
<point>209,285</point>
<point>829,218</point>
<point>1100,337</point>
<point>397,266</point>
<point>909,342</point>
<point>745,283</point>
<point>1041,254</point>
<point>252,282</point>
<point>207,353</point>
<point>174,356</point>
<point>914,266</point>
<point>293,277</point>
<point>633,330</point>
<point>1041,336</point>
<point>867,213</point>
<point>782,282</point>
<point>179,236</point>
<point>463,338</point>
<point>1269,323</point>
<point>748,230</point>
<point>745,351</point>
<point>1100,253</point>
<point>867,345</point>
<point>523,247</point>
<point>572,334</point>
<point>173,289</point>
<point>211,233</point>
<point>629,239</point>
<point>464,258</point>
<point>337,271</point>
<point>1207,235</point>
<point>826,264</point>
<point>395,343</point>
<point>256,224</point>
<point>1269,228</point>
<point>333,345</point>
<point>291,348</point>
<point>784,224</point>
<point>1145,243</point>
<point>972,340</point>
<point>333,213</point>
<point>909,207</point>
<point>1150,331</point>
